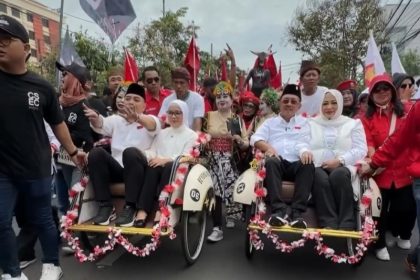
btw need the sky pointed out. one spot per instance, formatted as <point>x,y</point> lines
<point>243,24</point>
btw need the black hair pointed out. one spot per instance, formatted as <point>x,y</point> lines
<point>149,68</point>
<point>398,107</point>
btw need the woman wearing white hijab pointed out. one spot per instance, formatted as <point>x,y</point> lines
<point>337,143</point>
<point>170,143</point>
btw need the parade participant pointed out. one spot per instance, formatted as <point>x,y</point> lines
<point>118,100</point>
<point>348,90</point>
<point>132,132</point>
<point>384,115</point>
<point>404,84</point>
<point>406,138</point>
<point>171,142</point>
<point>259,74</point>
<point>180,80</point>
<point>269,106</point>
<point>114,78</point>
<point>249,104</point>
<point>228,137</point>
<point>25,152</point>
<point>209,100</point>
<point>336,144</point>
<point>155,94</point>
<point>277,138</point>
<point>73,96</point>
<point>362,101</point>
<point>312,93</point>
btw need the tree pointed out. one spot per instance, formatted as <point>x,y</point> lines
<point>335,33</point>
<point>411,62</point>
<point>164,43</point>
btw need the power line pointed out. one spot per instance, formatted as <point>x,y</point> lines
<point>395,22</point>
<point>393,14</point>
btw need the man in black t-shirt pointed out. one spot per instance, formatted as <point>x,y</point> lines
<point>25,154</point>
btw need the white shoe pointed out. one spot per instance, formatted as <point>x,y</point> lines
<point>9,277</point>
<point>25,264</point>
<point>390,240</point>
<point>216,235</point>
<point>382,254</point>
<point>404,244</point>
<point>67,250</point>
<point>51,272</point>
<point>230,223</point>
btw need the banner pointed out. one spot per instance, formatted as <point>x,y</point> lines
<point>113,16</point>
<point>373,61</point>
<point>131,71</point>
<point>396,66</point>
<point>68,53</point>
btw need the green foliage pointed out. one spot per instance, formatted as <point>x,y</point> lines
<point>46,68</point>
<point>335,33</point>
<point>411,62</point>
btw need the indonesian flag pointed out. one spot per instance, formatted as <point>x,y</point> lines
<point>270,64</point>
<point>131,71</point>
<point>373,61</point>
<point>276,82</point>
<point>396,66</point>
<point>192,63</point>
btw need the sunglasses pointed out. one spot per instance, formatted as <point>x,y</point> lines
<point>150,80</point>
<point>291,101</point>
<point>404,86</point>
<point>381,87</point>
<point>174,113</point>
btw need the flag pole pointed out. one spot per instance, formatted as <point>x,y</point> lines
<point>194,75</point>
<point>59,40</point>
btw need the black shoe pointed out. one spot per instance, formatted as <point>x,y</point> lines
<point>141,223</point>
<point>297,220</point>
<point>126,218</point>
<point>106,214</point>
<point>278,219</point>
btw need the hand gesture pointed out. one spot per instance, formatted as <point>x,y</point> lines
<point>128,113</point>
<point>79,159</point>
<point>92,115</point>
<point>306,157</point>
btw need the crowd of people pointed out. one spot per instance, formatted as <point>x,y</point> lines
<point>310,134</point>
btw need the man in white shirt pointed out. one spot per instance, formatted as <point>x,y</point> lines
<point>312,94</point>
<point>277,138</point>
<point>195,102</point>
<point>132,132</point>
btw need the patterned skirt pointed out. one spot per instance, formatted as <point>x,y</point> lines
<point>224,176</point>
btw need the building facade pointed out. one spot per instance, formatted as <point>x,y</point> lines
<point>41,22</point>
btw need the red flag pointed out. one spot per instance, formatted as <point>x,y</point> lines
<point>192,63</point>
<point>131,71</point>
<point>270,64</point>
<point>223,70</point>
<point>276,82</point>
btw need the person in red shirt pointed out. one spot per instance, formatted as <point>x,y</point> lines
<point>405,138</point>
<point>209,99</point>
<point>384,114</point>
<point>155,94</point>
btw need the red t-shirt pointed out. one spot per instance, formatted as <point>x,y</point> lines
<point>152,104</point>
<point>208,105</point>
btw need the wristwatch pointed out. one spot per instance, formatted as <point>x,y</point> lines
<point>74,153</point>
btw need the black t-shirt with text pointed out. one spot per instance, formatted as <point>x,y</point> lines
<point>25,101</point>
<point>79,126</point>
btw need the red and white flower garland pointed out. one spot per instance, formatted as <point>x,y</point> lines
<point>368,227</point>
<point>114,235</point>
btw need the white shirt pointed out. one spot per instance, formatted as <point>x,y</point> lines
<point>172,142</point>
<point>125,135</point>
<point>195,104</point>
<point>283,136</point>
<point>312,103</point>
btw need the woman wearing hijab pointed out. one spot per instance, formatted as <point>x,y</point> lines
<point>171,142</point>
<point>384,115</point>
<point>228,137</point>
<point>337,143</point>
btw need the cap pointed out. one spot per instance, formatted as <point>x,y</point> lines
<point>248,96</point>
<point>137,89</point>
<point>181,73</point>
<point>346,85</point>
<point>292,89</point>
<point>14,28</point>
<point>308,65</point>
<point>80,72</point>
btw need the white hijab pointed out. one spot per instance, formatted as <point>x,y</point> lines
<point>338,119</point>
<point>184,109</point>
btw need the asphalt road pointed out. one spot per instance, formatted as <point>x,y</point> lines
<point>226,260</point>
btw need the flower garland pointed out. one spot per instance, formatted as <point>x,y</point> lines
<point>368,227</point>
<point>114,235</point>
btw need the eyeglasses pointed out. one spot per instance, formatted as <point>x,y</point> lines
<point>404,86</point>
<point>289,101</point>
<point>5,40</point>
<point>150,80</point>
<point>381,87</point>
<point>64,74</point>
<point>174,113</point>
<point>249,105</point>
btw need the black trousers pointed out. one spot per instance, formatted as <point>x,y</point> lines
<point>333,197</point>
<point>28,235</point>
<point>155,180</point>
<point>279,170</point>
<point>104,169</point>
<point>398,213</point>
